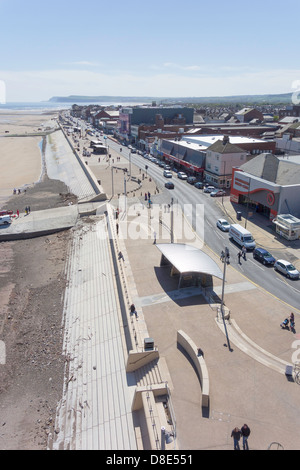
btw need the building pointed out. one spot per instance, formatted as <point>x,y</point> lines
<point>154,115</point>
<point>268,184</point>
<point>221,157</point>
<point>249,114</point>
<point>212,156</point>
<point>292,110</point>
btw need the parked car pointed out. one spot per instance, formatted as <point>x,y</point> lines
<point>198,185</point>
<point>167,167</point>
<point>262,255</point>
<point>169,185</point>
<point>5,219</point>
<point>181,175</point>
<point>6,212</point>
<point>191,180</point>
<point>218,193</point>
<point>286,268</point>
<point>223,225</point>
<point>209,189</point>
<point>167,174</point>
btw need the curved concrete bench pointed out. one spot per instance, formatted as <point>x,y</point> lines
<point>198,360</point>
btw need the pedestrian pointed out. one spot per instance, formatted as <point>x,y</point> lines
<point>244,251</point>
<point>133,310</point>
<point>18,213</point>
<point>292,322</point>
<point>245,430</point>
<point>222,257</point>
<point>26,210</point>
<point>239,256</point>
<point>236,434</point>
<point>117,228</point>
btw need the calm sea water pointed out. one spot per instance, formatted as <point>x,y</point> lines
<point>34,107</point>
<point>43,106</point>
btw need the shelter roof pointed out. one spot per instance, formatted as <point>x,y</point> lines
<point>189,259</point>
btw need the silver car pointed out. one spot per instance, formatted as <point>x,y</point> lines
<point>286,268</point>
<point>223,225</point>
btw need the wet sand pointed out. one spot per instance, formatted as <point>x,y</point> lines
<point>20,152</point>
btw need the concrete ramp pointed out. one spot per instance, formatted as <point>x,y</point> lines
<point>39,223</point>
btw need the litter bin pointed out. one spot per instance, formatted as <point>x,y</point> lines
<point>239,215</point>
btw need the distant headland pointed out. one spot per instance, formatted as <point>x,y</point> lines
<point>283,98</point>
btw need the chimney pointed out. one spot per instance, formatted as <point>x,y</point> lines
<point>226,139</point>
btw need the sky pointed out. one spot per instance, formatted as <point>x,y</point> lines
<point>162,48</point>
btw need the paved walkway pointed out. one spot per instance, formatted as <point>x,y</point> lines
<point>95,410</point>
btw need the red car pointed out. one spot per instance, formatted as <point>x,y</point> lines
<point>6,213</point>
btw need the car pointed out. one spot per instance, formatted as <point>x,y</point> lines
<point>209,189</point>
<point>161,164</point>
<point>5,219</point>
<point>167,167</point>
<point>167,174</point>
<point>223,225</point>
<point>169,185</point>
<point>218,193</point>
<point>191,180</point>
<point>262,255</point>
<point>286,268</point>
<point>198,185</point>
<point>6,212</point>
<point>181,175</point>
<point>133,150</point>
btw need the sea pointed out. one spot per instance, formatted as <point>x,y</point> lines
<point>34,107</point>
<point>44,106</point>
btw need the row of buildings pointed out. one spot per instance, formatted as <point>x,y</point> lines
<point>253,155</point>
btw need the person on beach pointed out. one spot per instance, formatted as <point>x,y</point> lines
<point>245,431</point>
<point>236,434</point>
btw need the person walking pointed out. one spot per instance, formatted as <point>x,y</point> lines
<point>133,310</point>
<point>239,256</point>
<point>245,431</point>
<point>244,251</point>
<point>236,434</point>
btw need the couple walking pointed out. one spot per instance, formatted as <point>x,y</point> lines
<point>237,433</point>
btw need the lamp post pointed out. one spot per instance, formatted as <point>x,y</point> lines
<point>226,261</point>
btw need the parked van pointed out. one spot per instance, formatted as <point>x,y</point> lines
<point>242,236</point>
<point>5,219</point>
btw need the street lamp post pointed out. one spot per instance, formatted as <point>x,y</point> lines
<point>226,260</point>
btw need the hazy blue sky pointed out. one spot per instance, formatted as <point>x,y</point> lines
<point>158,48</point>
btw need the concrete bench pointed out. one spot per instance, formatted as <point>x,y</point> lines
<point>198,360</point>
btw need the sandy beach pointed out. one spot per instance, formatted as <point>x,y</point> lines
<point>20,151</point>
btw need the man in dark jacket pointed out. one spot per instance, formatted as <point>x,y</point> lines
<point>236,434</point>
<point>245,430</point>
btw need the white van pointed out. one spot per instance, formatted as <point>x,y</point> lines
<point>241,236</point>
<point>5,219</point>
